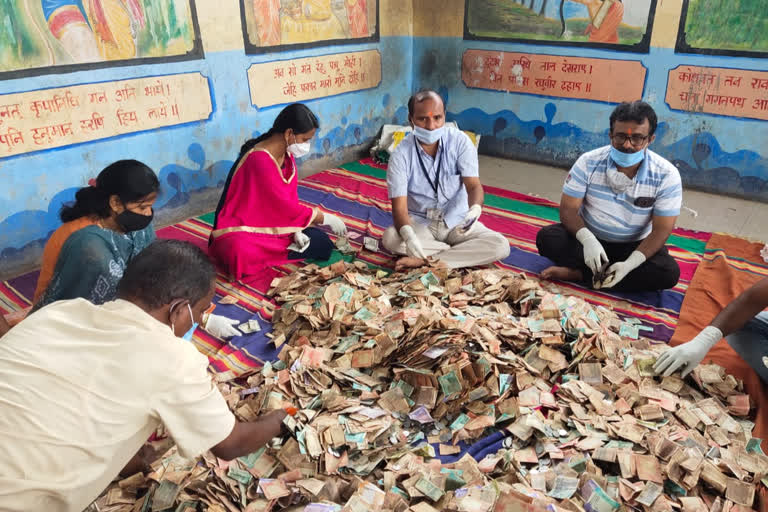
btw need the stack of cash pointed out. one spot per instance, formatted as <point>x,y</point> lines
<point>471,390</point>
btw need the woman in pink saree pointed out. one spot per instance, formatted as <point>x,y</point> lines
<point>259,220</point>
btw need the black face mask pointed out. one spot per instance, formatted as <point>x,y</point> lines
<point>132,221</point>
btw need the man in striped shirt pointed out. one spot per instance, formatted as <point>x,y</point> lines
<point>618,207</point>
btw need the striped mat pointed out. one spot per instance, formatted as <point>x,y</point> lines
<point>357,192</point>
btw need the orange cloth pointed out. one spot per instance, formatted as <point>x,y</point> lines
<point>53,248</point>
<point>609,28</point>
<point>730,266</point>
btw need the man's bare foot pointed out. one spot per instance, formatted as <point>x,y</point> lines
<point>409,262</point>
<point>562,274</point>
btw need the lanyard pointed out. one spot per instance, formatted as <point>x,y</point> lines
<point>434,184</point>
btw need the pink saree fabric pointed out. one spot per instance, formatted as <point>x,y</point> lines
<point>259,215</point>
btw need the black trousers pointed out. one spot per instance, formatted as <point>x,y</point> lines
<point>659,272</point>
<point>320,246</point>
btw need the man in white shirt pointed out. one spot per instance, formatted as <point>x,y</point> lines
<point>84,386</point>
<point>436,194</point>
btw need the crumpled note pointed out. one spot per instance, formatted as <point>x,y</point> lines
<point>300,242</point>
<point>343,245</point>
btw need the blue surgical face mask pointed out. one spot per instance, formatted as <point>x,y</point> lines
<point>187,335</point>
<point>428,136</point>
<point>627,159</point>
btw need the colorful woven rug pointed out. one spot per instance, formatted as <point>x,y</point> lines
<point>357,192</point>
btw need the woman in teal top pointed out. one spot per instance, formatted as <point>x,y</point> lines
<point>92,259</point>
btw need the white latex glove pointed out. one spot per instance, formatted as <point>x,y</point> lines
<point>300,242</point>
<point>594,254</point>
<point>687,356</point>
<point>221,326</point>
<point>335,223</point>
<point>412,243</point>
<point>619,270</point>
<point>470,220</point>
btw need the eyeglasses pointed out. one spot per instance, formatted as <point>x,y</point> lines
<point>636,139</point>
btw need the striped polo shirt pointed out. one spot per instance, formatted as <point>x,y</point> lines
<point>624,217</point>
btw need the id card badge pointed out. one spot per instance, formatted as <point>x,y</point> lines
<point>434,214</point>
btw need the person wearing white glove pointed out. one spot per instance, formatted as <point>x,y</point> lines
<point>618,271</point>
<point>336,224</point>
<point>618,208</point>
<point>300,242</point>
<point>594,254</point>
<point>436,194</point>
<point>743,323</point>
<point>220,326</point>
<point>470,220</point>
<point>314,243</point>
<point>684,358</point>
<point>412,243</point>
<point>259,215</point>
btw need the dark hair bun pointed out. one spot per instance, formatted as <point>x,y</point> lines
<point>130,180</point>
<point>88,201</point>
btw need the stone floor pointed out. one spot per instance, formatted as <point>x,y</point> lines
<point>715,213</point>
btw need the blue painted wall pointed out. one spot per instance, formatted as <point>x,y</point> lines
<point>719,154</point>
<point>192,160</point>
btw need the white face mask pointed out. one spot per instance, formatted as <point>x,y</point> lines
<point>619,181</point>
<point>298,150</point>
<point>428,136</point>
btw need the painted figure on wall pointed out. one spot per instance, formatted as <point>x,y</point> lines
<point>57,32</point>
<point>306,20</point>
<point>358,18</point>
<point>605,17</point>
<point>92,30</point>
<point>610,22</point>
<point>287,22</point>
<point>267,21</point>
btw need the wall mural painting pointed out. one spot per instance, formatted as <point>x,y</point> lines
<point>274,25</point>
<point>46,36</point>
<point>618,24</point>
<point>52,118</point>
<point>286,81</point>
<point>703,162</point>
<point>553,75</point>
<point>717,27</point>
<point>722,91</point>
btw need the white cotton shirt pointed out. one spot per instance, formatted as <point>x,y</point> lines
<point>82,388</point>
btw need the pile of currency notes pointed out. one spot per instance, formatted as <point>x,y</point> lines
<point>465,390</point>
